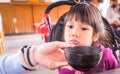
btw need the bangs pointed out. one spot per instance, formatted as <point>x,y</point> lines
<point>85,14</point>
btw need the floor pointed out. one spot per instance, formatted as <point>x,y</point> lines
<point>15,42</point>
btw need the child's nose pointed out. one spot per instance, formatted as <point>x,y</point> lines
<point>76,32</point>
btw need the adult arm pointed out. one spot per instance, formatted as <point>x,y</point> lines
<point>11,65</point>
<point>48,55</point>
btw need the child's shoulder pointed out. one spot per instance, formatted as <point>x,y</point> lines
<point>107,52</point>
<point>106,49</point>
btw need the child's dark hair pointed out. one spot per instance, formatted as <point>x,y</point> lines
<point>89,14</point>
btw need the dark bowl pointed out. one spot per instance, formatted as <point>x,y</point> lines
<point>83,58</point>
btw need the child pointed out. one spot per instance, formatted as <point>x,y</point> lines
<point>83,26</point>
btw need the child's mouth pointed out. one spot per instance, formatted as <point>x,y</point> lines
<point>74,42</point>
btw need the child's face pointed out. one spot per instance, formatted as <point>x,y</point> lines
<point>79,33</point>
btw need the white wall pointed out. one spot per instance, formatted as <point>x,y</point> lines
<point>4,1</point>
<point>0,22</point>
<point>105,6</point>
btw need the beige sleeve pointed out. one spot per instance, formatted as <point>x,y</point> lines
<point>27,57</point>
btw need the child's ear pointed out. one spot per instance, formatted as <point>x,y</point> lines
<point>96,36</point>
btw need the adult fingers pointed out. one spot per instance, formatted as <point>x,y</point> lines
<point>63,44</point>
<point>68,67</point>
<point>59,65</point>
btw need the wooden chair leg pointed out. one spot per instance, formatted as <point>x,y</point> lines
<point>1,46</point>
<point>1,41</point>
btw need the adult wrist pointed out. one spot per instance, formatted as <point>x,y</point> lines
<point>27,57</point>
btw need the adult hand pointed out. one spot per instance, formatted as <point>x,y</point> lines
<point>51,55</point>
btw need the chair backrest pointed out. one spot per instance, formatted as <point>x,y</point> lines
<point>56,33</point>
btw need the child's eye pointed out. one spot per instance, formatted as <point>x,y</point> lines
<point>84,28</point>
<point>69,26</point>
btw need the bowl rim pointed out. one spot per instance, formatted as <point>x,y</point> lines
<point>99,52</point>
<point>86,54</point>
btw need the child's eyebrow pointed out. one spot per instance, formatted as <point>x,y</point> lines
<point>69,22</point>
<point>85,24</point>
